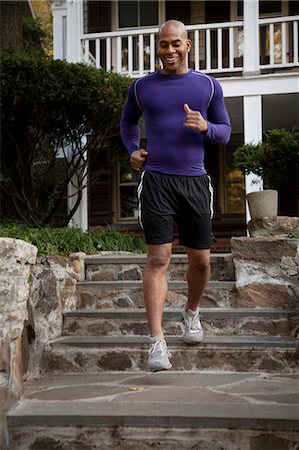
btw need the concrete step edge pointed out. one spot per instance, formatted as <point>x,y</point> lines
<point>229,416</point>
<point>140,341</point>
<point>137,284</point>
<point>219,313</point>
<point>140,258</point>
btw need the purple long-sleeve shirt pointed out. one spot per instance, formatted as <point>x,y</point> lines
<point>173,148</point>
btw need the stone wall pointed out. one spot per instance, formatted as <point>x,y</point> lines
<point>53,291</point>
<point>34,293</point>
<point>267,271</point>
<point>16,260</point>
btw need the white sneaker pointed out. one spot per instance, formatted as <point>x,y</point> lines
<point>158,356</point>
<point>193,331</point>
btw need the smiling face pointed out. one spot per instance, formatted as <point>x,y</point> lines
<point>173,46</point>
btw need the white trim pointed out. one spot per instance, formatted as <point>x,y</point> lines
<point>139,191</point>
<point>278,83</point>
<point>211,197</point>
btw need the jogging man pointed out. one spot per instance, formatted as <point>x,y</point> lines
<point>182,108</point>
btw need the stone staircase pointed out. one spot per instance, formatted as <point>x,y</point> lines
<point>235,390</point>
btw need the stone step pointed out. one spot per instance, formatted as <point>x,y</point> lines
<point>128,294</point>
<point>215,321</point>
<point>126,353</point>
<point>169,410</point>
<point>112,266</point>
<point>217,294</point>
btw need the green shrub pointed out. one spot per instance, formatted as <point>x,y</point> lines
<point>48,107</point>
<point>275,159</point>
<point>63,241</point>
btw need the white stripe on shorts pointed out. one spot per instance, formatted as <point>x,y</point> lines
<point>211,197</point>
<point>139,190</point>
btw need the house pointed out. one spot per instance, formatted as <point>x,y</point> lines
<point>251,46</point>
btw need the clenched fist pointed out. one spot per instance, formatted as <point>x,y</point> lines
<point>138,158</point>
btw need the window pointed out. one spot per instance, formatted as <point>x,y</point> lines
<point>127,190</point>
<point>137,13</point>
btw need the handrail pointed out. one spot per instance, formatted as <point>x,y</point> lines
<point>133,51</point>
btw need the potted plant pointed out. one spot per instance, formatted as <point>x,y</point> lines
<point>276,160</point>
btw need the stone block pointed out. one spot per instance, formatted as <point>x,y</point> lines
<point>282,226</point>
<point>265,295</point>
<point>270,261</point>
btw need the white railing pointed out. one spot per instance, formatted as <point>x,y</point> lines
<point>279,42</point>
<point>216,48</point>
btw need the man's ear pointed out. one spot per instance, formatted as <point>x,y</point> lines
<point>189,45</point>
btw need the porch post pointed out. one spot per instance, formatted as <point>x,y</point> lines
<point>253,129</point>
<point>73,50</point>
<point>74,28</point>
<point>59,29</point>
<point>251,65</point>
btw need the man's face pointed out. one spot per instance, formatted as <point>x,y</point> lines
<point>173,47</point>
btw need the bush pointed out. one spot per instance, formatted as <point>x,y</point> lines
<point>48,108</point>
<point>63,241</point>
<point>275,159</point>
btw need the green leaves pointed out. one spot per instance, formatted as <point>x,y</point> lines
<point>276,159</point>
<point>63,241</point>
<point>48,107</point>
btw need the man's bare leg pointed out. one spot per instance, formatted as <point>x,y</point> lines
<point>155,285</point>
<point>198,275</point>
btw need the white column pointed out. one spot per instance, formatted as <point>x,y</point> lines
<point>74,55</point>
<point>251,38</point>
<point>59,29</point>
<point>74,30</point>
<point>253,133</point>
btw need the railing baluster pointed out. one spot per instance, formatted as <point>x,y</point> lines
<point>283,43</point>
<point>219,47</point>
<point>130,54</point>
<point>141,54</point>
<point>86,51</point>
<point>295,42</point>
<point>108,54</point>
<point>152,54</point>
<point>231,47</point>
<point>118,54</point>
<point>196,50</point>
<point>208,49</point>
<point>271,41</point>
<point>98,53</point>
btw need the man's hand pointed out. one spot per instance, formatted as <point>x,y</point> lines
<point>195,120</point>
<point>138,158</point>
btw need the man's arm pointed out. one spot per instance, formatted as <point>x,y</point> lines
<point>219,127</point>
<point>129,128</point>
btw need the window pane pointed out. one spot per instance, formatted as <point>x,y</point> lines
<point>148,13</point>
<point>128,201</point>
<point>266,7</point>
<point>127,14</point>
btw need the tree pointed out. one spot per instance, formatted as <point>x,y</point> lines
<point>11,35</point>
<point>48,109</point>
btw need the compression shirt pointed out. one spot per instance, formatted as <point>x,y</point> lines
<point>172,148</point>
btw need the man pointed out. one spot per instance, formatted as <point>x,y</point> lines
<point>181,108</point>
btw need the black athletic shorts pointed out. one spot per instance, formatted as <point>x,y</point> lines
<point>165,200</point>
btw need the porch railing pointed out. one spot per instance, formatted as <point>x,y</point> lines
<point>216,48</point>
